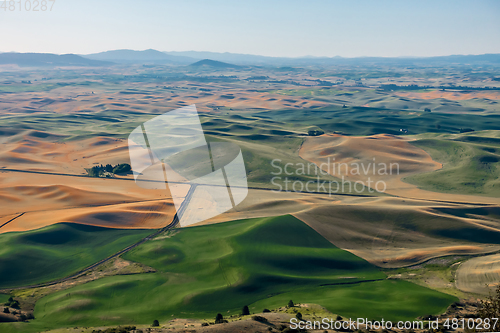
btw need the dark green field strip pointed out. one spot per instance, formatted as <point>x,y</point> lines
<point>56,251</point>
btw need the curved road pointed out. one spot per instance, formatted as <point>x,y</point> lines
<point>12,219</point>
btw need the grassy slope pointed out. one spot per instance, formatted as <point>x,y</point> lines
<point>219,268</point>
<point>57,251</point>
<point>470,163</point>
<point>388,299</point>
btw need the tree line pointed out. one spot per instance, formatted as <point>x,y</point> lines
<point>108,170</point>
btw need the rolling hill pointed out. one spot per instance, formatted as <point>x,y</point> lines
<point>213,64</point>
<point>261,263</point>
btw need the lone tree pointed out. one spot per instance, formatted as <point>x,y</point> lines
<point>299,316</point>
<point>245,311</point>
<point>156,323</point>
<point>491,306</point>
<point>290,304</point>
<point>219,319</point>
<point>315,132</point>
<point>6,310</point>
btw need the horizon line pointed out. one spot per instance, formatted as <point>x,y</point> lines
<point>258,55</point>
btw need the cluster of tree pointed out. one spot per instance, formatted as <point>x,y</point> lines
<point>12,303</point>
<point>108,169</point>
<point>465,130</point>
<point>468,88</point>
<point>417,87</point>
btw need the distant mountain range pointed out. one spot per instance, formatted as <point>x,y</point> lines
<point>48,59</point>
<point>147,56</point>
<point>231,59</point>
<point>248,59</point>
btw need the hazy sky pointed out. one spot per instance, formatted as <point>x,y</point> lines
<point>273,28</point>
